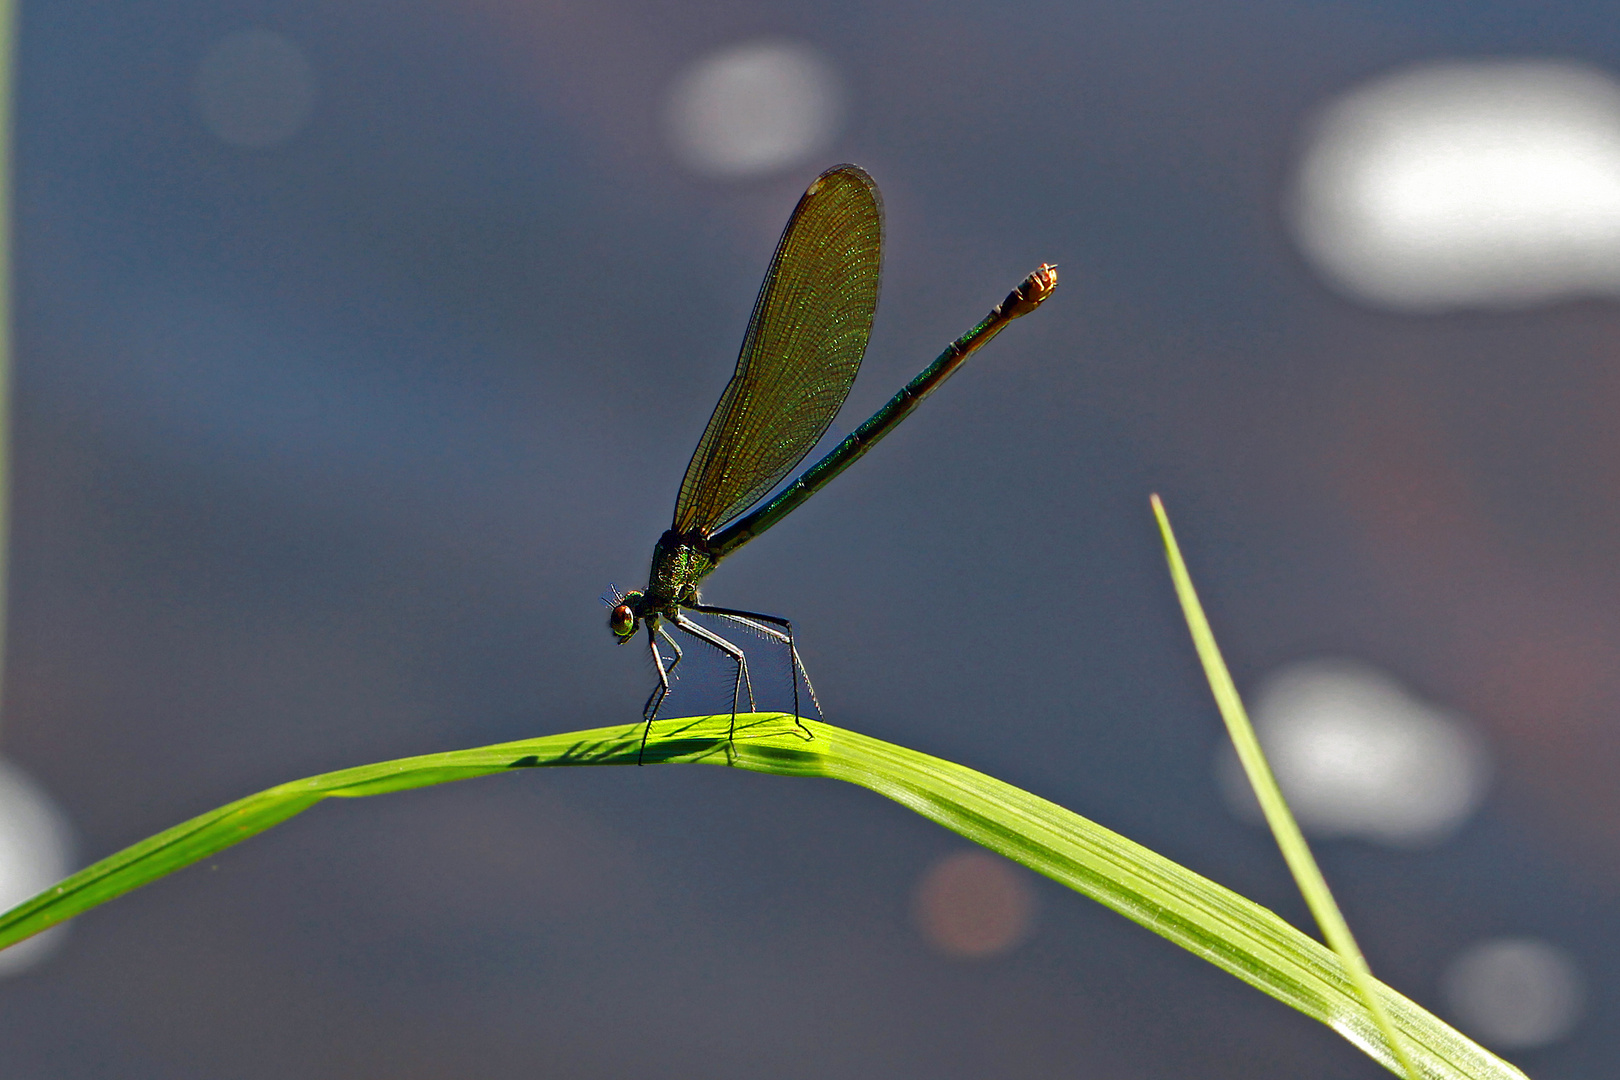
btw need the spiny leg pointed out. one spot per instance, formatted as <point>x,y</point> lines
<point>753,620</point>
<point>655,700</point>
<point>795,664</point>
<point>703,633</point>
<point>798,661</point>
<point>747,677</point>
<point>679,656</point>
<point>796,668</point>
<point>738,657</point>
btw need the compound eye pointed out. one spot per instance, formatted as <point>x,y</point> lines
<point>622,621</point>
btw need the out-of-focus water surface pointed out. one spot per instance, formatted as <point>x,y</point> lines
<point>361,346</point>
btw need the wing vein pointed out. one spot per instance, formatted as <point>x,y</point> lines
<point>799,356</point>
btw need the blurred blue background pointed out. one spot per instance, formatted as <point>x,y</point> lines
<point>361,346</point>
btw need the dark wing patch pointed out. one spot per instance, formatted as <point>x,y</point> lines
<point>800,355</point>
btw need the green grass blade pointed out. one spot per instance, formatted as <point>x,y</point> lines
<point>1210,920</point>
<point>1296,852</point>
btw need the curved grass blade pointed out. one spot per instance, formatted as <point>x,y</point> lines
<point>1207,919</point>
<point>1296,852</point>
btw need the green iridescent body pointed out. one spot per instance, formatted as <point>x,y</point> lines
<point>678,564</point>
<point>799,358</point>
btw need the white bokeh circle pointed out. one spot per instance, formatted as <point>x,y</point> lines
<point>36,851</point>
<point>1466,184</point>
<point>753,109</point>
<point>254,88</point>
<point>1357,754</point>
<point>1514,993</point>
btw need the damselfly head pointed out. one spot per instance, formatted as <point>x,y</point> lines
<point>623,618</point>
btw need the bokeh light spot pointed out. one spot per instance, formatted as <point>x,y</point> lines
<point>35,852</point>
<point>1484,183</point>
<point>754,109</point>
<point>974,904</point>
<point>254,89</point>
<point>1356,754</point>
<point>1514,993</point>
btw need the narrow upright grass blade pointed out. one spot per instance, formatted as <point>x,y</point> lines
<point>1210,920</point>
<point>1296,852</point>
